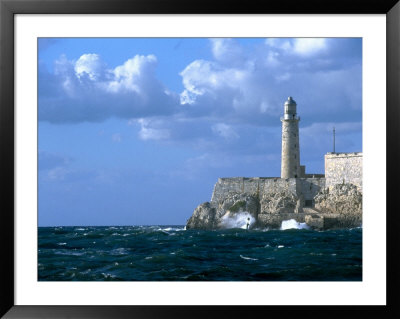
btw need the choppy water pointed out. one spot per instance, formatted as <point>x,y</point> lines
<point>171,253</point>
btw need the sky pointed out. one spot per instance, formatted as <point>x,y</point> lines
<point>136,131</point>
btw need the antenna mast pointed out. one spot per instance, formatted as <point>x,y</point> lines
<point>333,139</point>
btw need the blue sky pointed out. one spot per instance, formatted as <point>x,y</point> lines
<point>136,131</point>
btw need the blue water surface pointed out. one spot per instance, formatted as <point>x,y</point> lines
<point>171,253</point>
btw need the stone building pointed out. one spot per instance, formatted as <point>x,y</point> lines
<point>332,199</point>
<point>339,168</point>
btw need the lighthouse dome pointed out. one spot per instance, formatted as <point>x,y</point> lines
<point>290,106</point>
<point>290,101</point>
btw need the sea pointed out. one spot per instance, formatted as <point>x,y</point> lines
<point>172,253</point>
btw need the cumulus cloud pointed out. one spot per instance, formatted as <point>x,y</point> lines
<point>300,46</point>
<point>309,46</point>
<point>226,50</point>
<point>133,75</point>
<point>207,77</point>
<point>234,97</point>
<point>253,87</point>
<point>86,90</point>
<point>88,65</point>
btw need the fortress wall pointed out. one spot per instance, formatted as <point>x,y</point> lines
<point>343,167</point>
<point>309,187</point>
<point>245,185</point>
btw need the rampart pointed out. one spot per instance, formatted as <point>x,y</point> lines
<point>305,188</point>
<point>343,168</point>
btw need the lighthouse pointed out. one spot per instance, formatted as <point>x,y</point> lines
<point>290,166</point>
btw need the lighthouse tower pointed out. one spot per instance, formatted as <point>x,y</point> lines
<point>290,166</point>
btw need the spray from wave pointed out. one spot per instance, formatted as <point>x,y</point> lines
<point>293,224</point>
<point>237,220</point>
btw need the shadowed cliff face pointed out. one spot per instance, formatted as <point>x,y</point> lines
<point>338,206</point>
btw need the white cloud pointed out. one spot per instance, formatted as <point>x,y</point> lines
<point>230,88</point>
<point>282,44</point>
<point>202,77</point>
<point>309,46</point>
<point>299,46</point>
<point>150,131</point>
<point>226,50</point>
<point>90,65</point>
<point>86,90</point>
<point>131,75</point>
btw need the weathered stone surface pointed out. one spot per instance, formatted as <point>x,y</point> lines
<point>268,202</point>
<point>275,220</point>
<point>236,203</point>
<point>343,168</point>
<point>315,221</point>
<point>342,200</point>
<point>280,202</point>
<point>203,217</point>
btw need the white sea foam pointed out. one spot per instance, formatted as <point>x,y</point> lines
<point>293,224</point>
<point>248,258</point>
<point>239,220</point>
<point>281,246</point>
<point>61,244</point>
<point>173,229</point>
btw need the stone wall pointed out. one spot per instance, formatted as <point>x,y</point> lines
<point>305,187</point>
<point>247,185</point>
<point>343,168</point>
<point>309,187</point>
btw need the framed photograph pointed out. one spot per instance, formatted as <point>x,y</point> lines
<point>189,159</point>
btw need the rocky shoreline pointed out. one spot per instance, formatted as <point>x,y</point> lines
<point>337,206</point>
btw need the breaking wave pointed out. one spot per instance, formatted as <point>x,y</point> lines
<point>237,220</point>
<point>293,224</point>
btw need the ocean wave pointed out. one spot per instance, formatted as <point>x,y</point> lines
<point>241,220</point>
<point>293,224</point>
<point>198,255</point>
<point>119,251</point>
<point>248,258</point>
<point>173,229</point>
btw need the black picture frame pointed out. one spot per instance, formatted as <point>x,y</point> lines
<point>8,8</point>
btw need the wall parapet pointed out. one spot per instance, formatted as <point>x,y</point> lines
<point>344,168</point>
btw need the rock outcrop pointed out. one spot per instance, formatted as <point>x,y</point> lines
<point>203,217</point>
<point>339,206</point>
<point>342,202</point>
